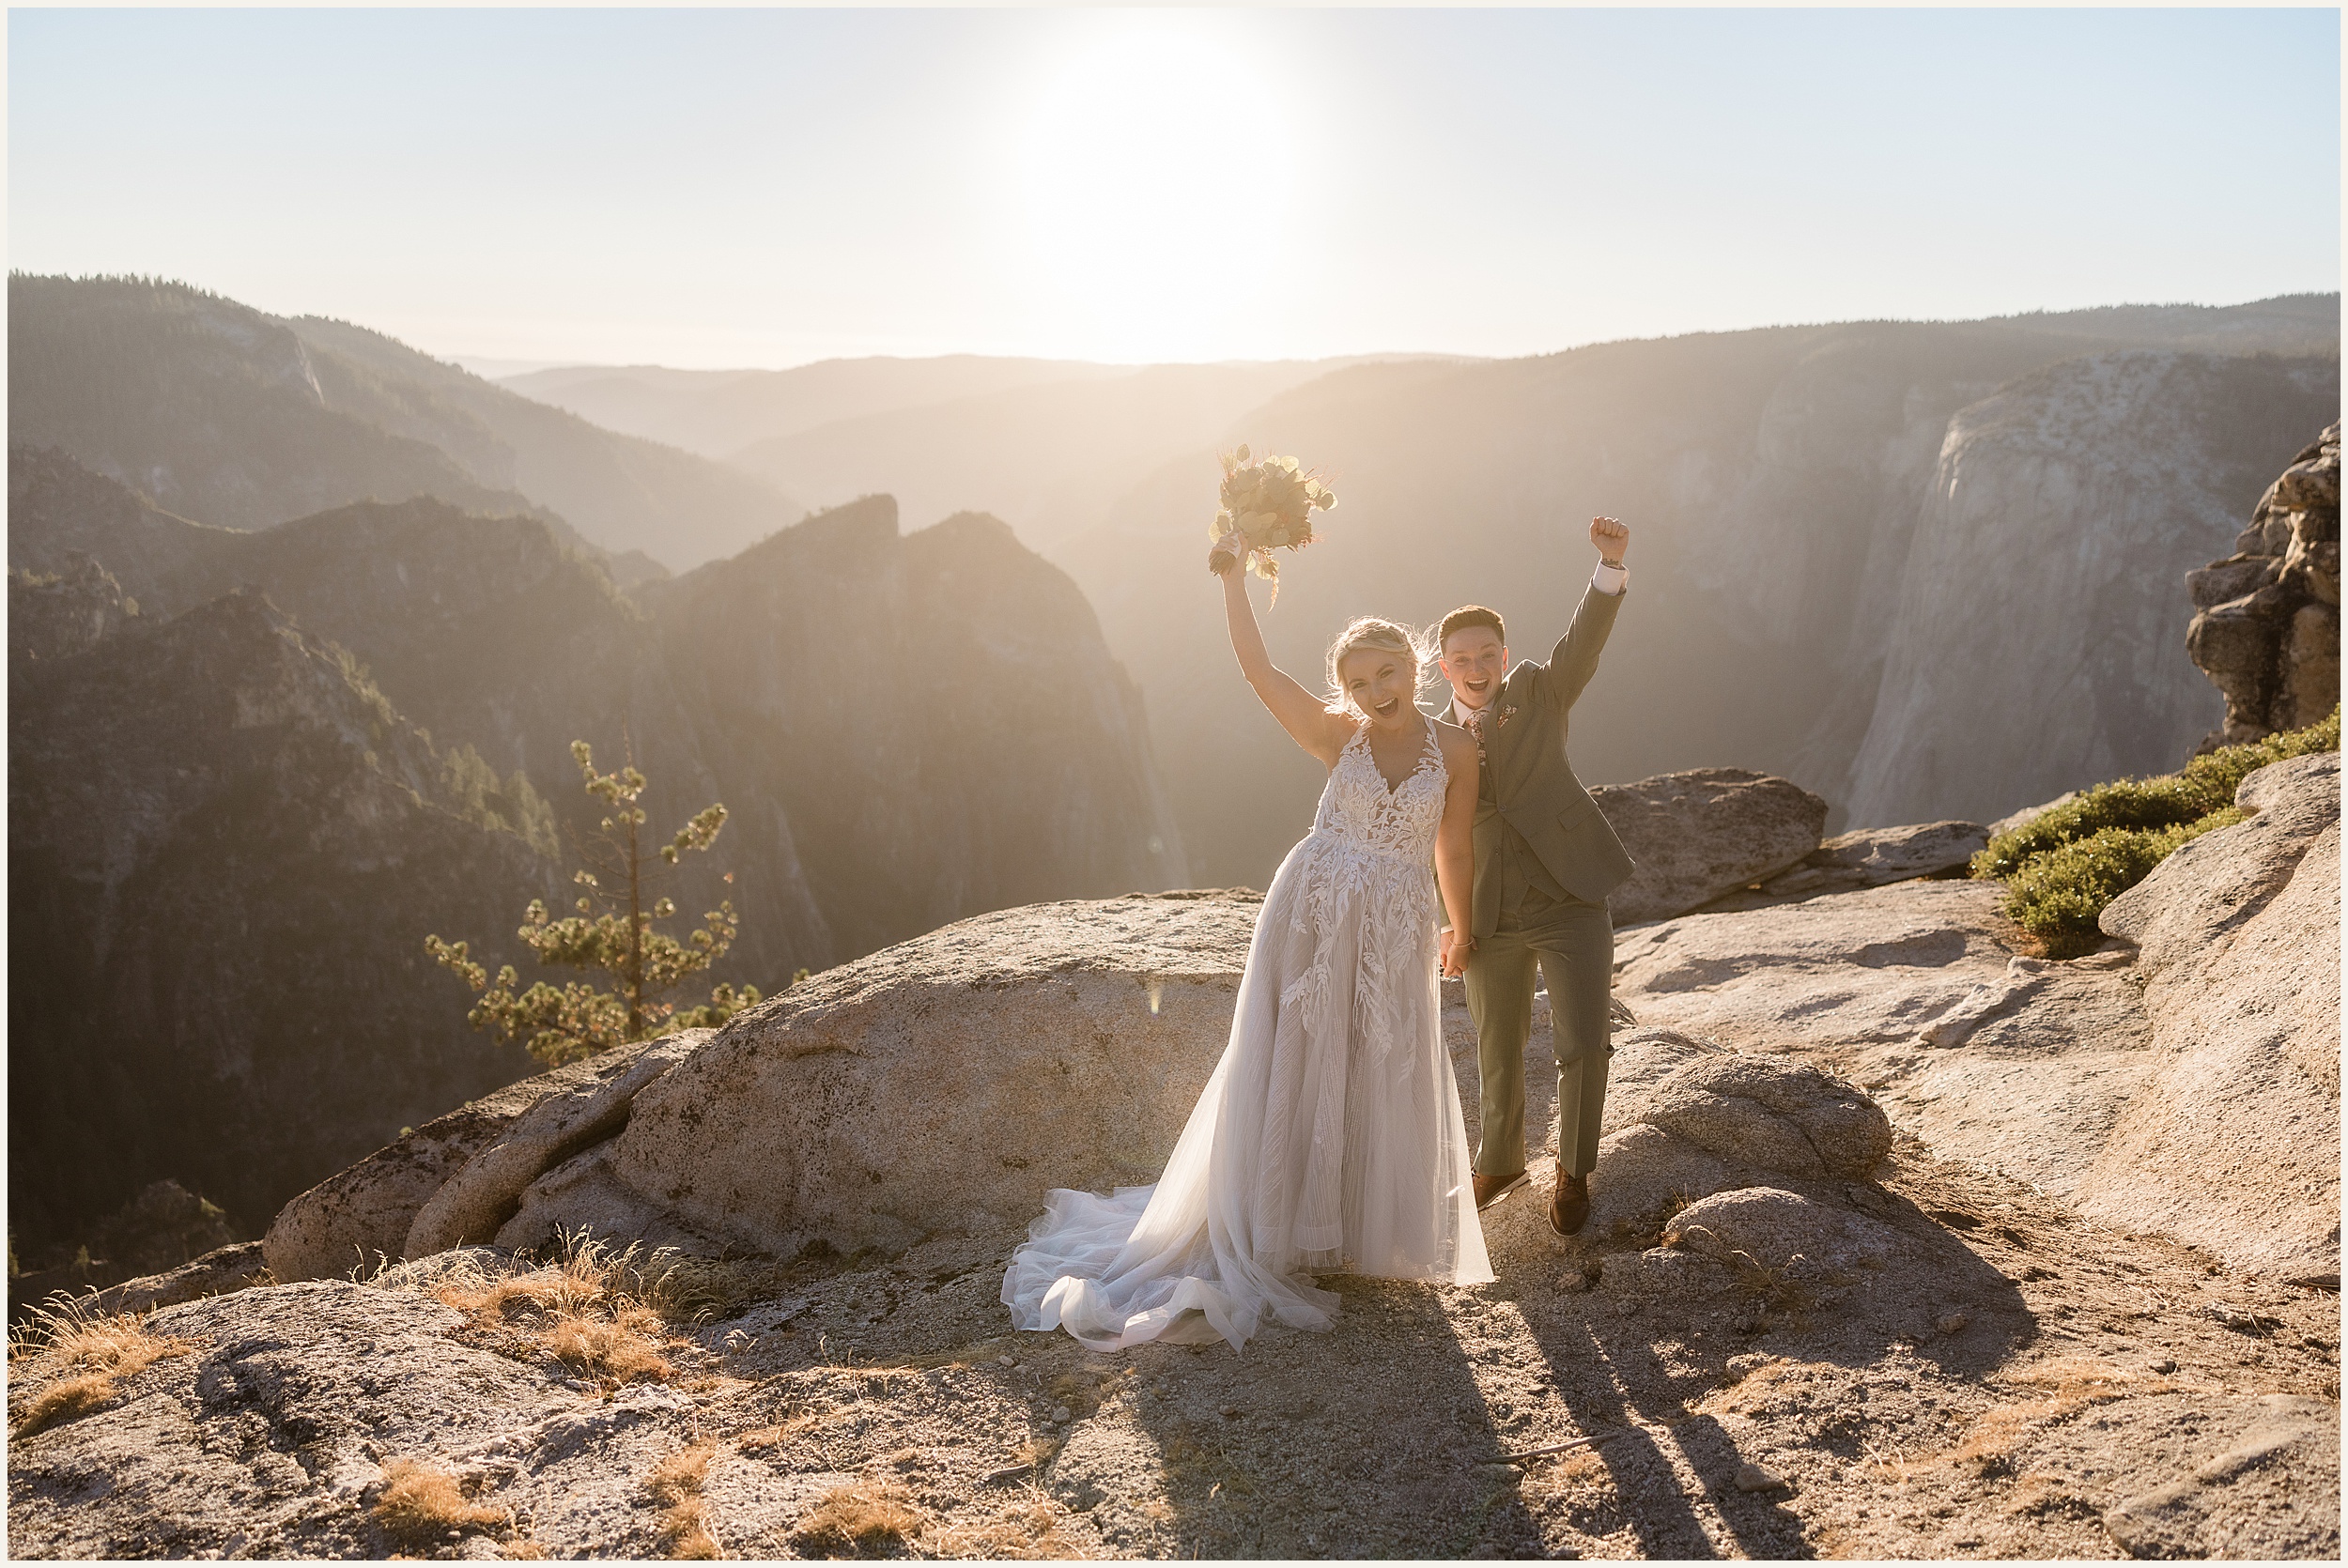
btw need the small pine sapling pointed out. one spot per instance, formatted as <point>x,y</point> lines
<point>613,933</point>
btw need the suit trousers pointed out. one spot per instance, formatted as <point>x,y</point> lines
<point>1572,943</point>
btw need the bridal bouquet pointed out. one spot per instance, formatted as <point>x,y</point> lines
<point>1267,506</point>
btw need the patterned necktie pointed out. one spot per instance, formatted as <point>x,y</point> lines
<point>1476,727</point>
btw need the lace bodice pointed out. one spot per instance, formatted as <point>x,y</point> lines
<point>1360,813</point>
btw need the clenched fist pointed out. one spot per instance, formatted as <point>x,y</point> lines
<point>1610,537</point>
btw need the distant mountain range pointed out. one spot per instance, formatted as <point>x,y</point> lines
<point>1921,567</point>
<point>1042,442</point>
<point>228,415</point>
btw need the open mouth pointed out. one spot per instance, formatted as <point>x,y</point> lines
<point>1387,708</point>
<point>1480,687</point>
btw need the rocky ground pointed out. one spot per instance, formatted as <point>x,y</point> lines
<point>2017,1383</point>
<point>1881,1264</point>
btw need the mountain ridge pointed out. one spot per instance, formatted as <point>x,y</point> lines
<point>302,414</point>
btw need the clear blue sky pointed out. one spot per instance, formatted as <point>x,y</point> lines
<point>716,187</point>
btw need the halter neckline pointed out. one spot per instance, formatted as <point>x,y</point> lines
<point>1428,748</point>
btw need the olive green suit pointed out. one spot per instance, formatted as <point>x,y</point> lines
<point>1544,861</point>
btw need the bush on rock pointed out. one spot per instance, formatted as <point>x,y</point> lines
<point>2062,866</point>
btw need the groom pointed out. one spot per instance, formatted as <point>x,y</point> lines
<point>1545,860</point>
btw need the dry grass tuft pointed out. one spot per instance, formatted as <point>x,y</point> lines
<point>1039,1451</point>
<point>420,1506</point>
<point>962,1358</point>
<point>523,1549</point>
<point>604,1314</point>
<point>622,1349</point>
<point>868,1518</point>
<point>1026,1531</point>
<point>95,1355</point>
<point>677,1484</point>
<point>2089,1381</point>
<point>1751,1393</point>
<point>1773,1287</point>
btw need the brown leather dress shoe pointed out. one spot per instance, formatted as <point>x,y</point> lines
<point>1490,1189</point>
<point>1569,1205</point>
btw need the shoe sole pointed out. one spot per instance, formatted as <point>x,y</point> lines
<point>1523,1179</point>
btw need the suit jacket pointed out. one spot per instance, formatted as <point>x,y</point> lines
<point>1528,784</point>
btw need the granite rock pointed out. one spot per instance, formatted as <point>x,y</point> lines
<point>1696,835</point>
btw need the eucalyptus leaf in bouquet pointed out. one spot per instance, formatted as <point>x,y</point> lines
<point>1267,505</point>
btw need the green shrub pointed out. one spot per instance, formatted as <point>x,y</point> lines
<point>2063,868</point>
<point>2060,895</point>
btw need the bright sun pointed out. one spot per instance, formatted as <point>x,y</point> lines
<point>1159,187</point>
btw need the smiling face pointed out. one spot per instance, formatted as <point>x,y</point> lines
<point>1381,682</point>
<point>1474,660</point>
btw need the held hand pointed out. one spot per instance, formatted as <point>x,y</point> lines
<point>1222,558</point>
<point>1611,538</point>
<point>1454,954</point>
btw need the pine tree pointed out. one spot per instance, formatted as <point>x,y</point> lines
<point>580,1019</point>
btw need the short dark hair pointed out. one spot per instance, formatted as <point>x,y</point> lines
<point>1471,615</point>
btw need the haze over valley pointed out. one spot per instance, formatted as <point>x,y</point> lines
<point>1808,564</point>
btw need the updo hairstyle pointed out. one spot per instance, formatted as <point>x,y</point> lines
<point>1370,633</point>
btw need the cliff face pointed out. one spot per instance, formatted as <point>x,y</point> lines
<point>2032,644</point>
<point>905,729</point>
<point>2267,634</point>
<point>224,848</point>
<point>928,725</point>
<point>1781,485</point>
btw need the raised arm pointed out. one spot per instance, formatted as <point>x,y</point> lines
<point>1307,719</point>
<point>1575,658</point>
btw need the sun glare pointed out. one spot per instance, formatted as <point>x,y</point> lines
<point>1159,187</point>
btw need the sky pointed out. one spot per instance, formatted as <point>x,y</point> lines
<point>736,188</point>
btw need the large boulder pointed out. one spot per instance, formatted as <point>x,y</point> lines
<point>2267,631</point>
<point>1722,1121</point>
<point>236,1266</point>
<point>1785,1115</point>
<point>2234,1143</point>
<point>589,1106</point>
<point>1694,836</point>
<point>944,1083</point>
<point>360,1218</point>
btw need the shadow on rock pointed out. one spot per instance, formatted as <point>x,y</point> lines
<point>1371,1440</point>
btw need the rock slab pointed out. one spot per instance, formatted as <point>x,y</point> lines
<point>589,1106</point>
<point>2234,1143</point>
<point>362,1216</point>
<point>1872,857</point>
<point>1696,835</point>
<point>940,1084</point>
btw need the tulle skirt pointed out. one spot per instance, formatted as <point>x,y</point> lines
<point>1330,1138</point>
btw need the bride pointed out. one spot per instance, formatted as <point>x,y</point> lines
<point>1330,1137</point>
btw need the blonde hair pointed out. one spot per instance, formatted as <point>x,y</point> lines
<point>1371,632</point>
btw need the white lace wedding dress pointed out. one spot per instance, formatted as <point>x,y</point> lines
<point>1330,1138</point>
